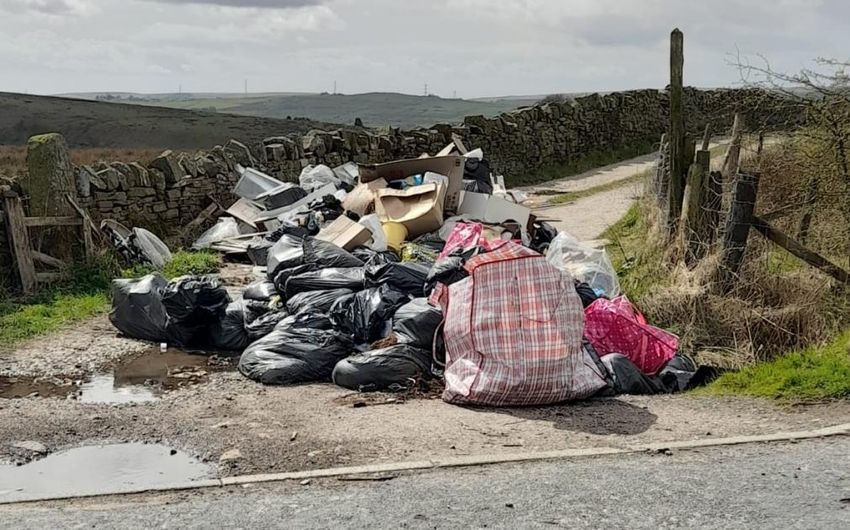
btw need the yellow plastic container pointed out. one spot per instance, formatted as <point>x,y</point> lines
<point>396,234</point>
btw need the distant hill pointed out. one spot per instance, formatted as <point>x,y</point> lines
<point>376,109</point>
<point>99,124</point>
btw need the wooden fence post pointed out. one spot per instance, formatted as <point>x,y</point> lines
<point>738,224</point>
<point>694,229</point>
<point>678,166</point>
<point>712,205</point>
<point>661,172</point>
<point>733,154</point>
<point>18,235</point>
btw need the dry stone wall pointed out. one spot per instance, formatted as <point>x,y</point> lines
<point>174,188</point>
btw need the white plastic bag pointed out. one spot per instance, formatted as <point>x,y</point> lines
<point>226,227</point>
<point>584,263</point>
<point>314,177</point>
<point>379,239</point>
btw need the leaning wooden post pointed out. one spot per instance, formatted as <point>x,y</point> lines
<point>676,190</point>
<point>706,137</point>
<point>738,224</point>
<point>19,240</point>
<point>713,203</point>
<point>661,173</point>
<point>733,154</point>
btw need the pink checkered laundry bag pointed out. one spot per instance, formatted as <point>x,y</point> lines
<point>615,326</point>
<point>513,332</point>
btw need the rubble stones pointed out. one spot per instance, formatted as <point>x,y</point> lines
<point>167,164</point>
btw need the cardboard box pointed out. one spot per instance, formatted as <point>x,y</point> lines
<point>345,233</point>
<point>450,166</point>
<point>419,208</point>
<point>492,209</point>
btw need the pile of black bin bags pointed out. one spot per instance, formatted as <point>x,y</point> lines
<point>315,318</point>
<point>360,318</point>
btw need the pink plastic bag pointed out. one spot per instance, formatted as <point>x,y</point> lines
<point>615,326</point>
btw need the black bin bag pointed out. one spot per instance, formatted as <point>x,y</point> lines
<point>394,368</point>
<point>365,315</point>
<point>287,252</point>
<point>417,322</point>
<point>229,332</point>
<point>408,277</point>
<point>262,291</point>
<point>325,280</point>
<point>193,304</point>
<point>319,302</point>
<point>137,309</point>
<point>290,355</point>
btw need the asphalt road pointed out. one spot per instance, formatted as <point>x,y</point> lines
<point>799,485</point>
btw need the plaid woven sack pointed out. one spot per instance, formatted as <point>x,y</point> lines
<point>513,332</point>
<point>615,326</point>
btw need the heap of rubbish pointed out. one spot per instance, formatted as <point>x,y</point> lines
<point>383,277</point>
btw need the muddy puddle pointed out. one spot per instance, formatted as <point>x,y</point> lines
<point>99,469</point>
<point>141,378</point>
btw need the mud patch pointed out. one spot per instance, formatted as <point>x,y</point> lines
<point>138,379</point>
<point>98,469</point>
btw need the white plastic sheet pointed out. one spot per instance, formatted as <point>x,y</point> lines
<point>314,177</point>
<point>225,228</point>
<point>379,238</point>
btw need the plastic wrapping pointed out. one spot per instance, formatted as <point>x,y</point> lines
<point>228,333</point>
<point>261,325</point>
<point>408,278</point>
<point>314,177</point>
<point>416,323</point>
<point>315,301</point>
<point>586,293</point>
<point>584,263</point>
<point>365,315</point>
<point>379,238</point>
<point>372,258</point>
<point>628,379</point>
<point>325,280</point>
<point>394,368</point>
<point>544,234</point>
<point>137,309</point>
<point>322,255</point>
<point>291,355</point>
<point>193,305</point>
<point>283,275</point>
<point>226,227</point>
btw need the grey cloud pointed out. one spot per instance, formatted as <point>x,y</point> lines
<point>266,4</point>
<point>50,7</point>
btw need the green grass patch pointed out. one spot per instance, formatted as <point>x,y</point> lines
<point>183,263</point>
<point>813,374</point>
<point>587,162</point>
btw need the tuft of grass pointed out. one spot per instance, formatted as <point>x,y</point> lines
<point>184,262</point>
<point>815,373</point>
<point>23,321</point>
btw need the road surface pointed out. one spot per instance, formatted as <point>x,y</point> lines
<point>802,485</point>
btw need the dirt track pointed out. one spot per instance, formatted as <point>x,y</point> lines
<point>320,425</point>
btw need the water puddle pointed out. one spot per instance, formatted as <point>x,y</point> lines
<point>99,469</point>
<point>139,379</point>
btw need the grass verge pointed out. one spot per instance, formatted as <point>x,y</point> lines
<point>572,196</point>
<point>815,373</point>
<point>85,293</point>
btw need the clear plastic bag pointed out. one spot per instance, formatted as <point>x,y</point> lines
<point>585,263</point>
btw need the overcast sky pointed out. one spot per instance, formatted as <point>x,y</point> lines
<point>473,47</point>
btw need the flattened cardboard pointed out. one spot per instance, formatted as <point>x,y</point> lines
<point>492,209</point>
<point>450,166</point>
<point>361,200</point>
<point>418,208</point>
<point>345,233</point>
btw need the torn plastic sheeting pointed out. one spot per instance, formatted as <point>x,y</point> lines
<point>291,355</point>
<point>193,305</point>
<point>417,322</point>
<point>326,279</point>
<point>365,315</point>
<point>224,228</point>
<point>137,309</point>
<point>228,333</point>
<point>408,277</point>
<point>315,301</point>
<point>585,263</point>
<point>394,368</point>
